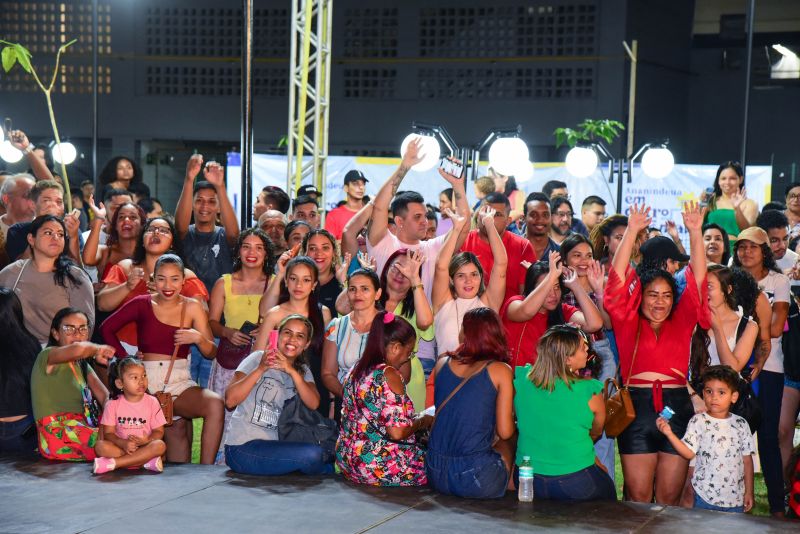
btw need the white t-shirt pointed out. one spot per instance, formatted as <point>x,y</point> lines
<point>430,249</point>
<point>788,261</point>
<point>720,446</point>
<point>776,286</point>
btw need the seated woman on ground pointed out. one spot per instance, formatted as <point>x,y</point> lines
<point>470,453</point>
<point>172,322</point>
<point>526,318</point>
<point>376,443</point>
<point>59,382</point>
<point>17,355</point>
<point>551,395</point>
<point>133,423</point>
<point>261,385</point>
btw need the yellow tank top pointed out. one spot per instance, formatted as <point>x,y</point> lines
<point>239,308</point>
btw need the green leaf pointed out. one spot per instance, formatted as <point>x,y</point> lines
<point>24,57</point>
<point>9,58</point>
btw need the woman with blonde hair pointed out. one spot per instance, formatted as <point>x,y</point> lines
<point>550,394</point>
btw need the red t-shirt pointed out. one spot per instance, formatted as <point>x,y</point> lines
<point>670,349</point>
<point>192,287</point>
<point>336,219</point>
<point>522,338</point>
<point>518,249</point>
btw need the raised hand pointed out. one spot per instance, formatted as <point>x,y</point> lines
<point>194,165</point>
<point>280,362</point>
<point>99,213</point>
<point>282,261</point>
<point>18,139</point>
<point>413,153</point>
<point>452,179</point>
<point>73,223</point>
<point>639,218</point>
<point>739,197</point>
<point>570,277</point>
<point>341,270</point>
<point>134,277</point>
<point>214,174</point>
<point>554,261</point>
<point>458,220</point>
<point>486,215</point>
<point>267,359</point>
<point>366,261</point>
<point>596,276</point>
<point>693,216</point>
<point>672,230</point>
<point>411,268</point>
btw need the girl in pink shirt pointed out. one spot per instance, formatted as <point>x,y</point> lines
<point>133,422</point>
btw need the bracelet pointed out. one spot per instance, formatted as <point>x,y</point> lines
<point>414,288</point>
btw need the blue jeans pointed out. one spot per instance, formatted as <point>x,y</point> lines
<point>604,448</point>
<point>700,503</point>
<point>18,437</point>
<point>770,395</point>
<point>477,476</point>
<point>590,484</point>
<point>266,457</point>
<point>200,368</point>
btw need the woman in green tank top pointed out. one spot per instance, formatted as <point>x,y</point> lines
<point>728,205</point>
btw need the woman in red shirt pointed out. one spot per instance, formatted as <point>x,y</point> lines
<point>526,318</point>
<point>653,335</point>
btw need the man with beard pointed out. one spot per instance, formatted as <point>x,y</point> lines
<point>537,225</point>
<point>561,219</point>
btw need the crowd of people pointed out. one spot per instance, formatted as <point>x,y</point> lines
<point>399,343</point>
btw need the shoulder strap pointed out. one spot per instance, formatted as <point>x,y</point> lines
<point>635,350</point>
<point>177,347</point>
<point>344,324</point>
<point>741,327</point>
<point>16,282</point>
<point>458,387</point>
<point>81,381</point>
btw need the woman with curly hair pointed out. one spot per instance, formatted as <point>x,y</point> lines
<point>119,173</point>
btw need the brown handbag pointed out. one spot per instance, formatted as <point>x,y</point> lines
<point>164,398</point>
<point>619,406</point>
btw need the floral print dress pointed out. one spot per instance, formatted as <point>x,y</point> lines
<point>364,454</point>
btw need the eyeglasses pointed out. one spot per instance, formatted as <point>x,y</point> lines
<point>70,330</point>
<point>563,214</point>
<point>158,230</point>
<point>792,196</point>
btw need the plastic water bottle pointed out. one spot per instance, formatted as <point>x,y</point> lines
<point>525,491</point>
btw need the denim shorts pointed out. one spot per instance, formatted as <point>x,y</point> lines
<point>789,383</point>
<point>700,503</point>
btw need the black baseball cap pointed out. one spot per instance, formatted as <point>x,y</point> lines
<point>307,189</point>
<point>354,176</point>
<point>662,248</point>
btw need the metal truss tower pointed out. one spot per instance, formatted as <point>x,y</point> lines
<point>309,94</point>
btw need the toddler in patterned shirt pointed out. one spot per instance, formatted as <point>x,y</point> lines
<point>722,444</point>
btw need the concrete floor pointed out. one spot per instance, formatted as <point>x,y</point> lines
<point>39,496</point>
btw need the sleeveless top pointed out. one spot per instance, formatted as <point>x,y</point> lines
<point>712,346</point>
<point>466,425</point>
<point>160,338</point>
<point>448,320</point>
<point>239,308</point>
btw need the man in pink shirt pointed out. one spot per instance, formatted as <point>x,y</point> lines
<point>354,186</point>
<point>517,247</point>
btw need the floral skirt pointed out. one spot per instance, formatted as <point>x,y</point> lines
<point>67,437</point>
